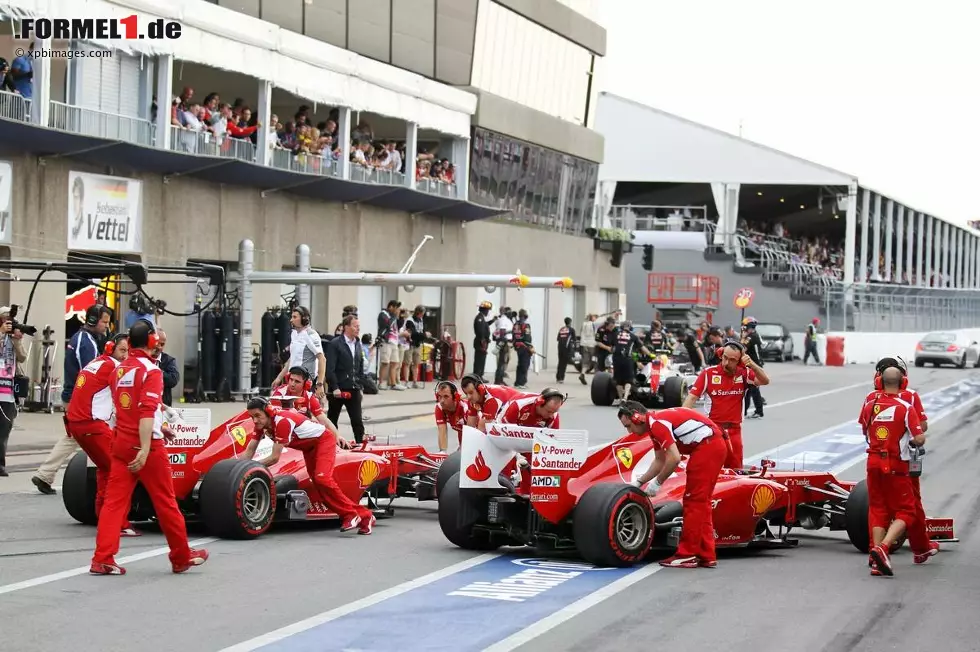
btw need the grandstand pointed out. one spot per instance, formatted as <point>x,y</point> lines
<point>810,240</point>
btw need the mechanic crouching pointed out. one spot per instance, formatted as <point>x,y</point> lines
<point>486,400</point>
<point>677,431</point>
<point>318,443</point>
<point>890,461</point>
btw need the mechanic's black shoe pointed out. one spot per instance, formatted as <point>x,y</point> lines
<point>581,378</point>
<point>3,473</point>
<point>43,486</point>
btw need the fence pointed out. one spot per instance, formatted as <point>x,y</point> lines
<point>886,308</point>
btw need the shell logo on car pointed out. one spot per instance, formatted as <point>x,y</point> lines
<point>368,472</point>
<point>762,499</point>
<point>881,433</point>
<point>537,449</point>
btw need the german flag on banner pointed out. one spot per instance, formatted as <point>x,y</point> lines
<point>114,189</point>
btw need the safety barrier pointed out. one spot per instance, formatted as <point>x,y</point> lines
<point>202,143</point>
<point>436,187</point>
<point>100,124</point>
<point>286,159</point>
<point>376,175</point>
<point>877,308</point>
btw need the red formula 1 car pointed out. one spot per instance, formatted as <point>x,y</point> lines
<point>556,493</point>
<point>238,498</point>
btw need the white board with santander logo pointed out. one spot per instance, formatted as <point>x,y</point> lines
<point>191,427</point>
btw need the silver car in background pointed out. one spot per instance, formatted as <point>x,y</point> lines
<point>944,347</point>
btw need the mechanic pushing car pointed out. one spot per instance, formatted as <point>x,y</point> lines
<point>452,411</point>
<point>624,366</point>
<point>892,428</point>
<point>534,411</point>
<point>319,444</point>
<point>299,388</point>
<point>725,383</point>
<point>677,431</point>
<point>486,400</point>
<point>922,547</point>
<point>136,393</point>
<point>90,416</point>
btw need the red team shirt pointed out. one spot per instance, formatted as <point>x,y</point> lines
<point>910,396</point>
<point>682,426</point>
<point>521,412</point>
<point>457,419</point>
<point>91,400</point>
<point>726,392</point>
<point>294,430</point>
<point>307,402</point>
<point>136,394</point>
<point>494,397</point>
<point>891,424</point>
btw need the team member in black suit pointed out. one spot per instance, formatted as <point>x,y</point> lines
<point>345,364</point>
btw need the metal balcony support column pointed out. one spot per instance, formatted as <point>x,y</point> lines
<point>865,221</point>
<point>165,93</point>
<point>411,152</point>
<point>921,267</point>
<point>41,91</point>
<point>246,265</point>
<point>876,242</point>
<point>263,153</point>
<point>343,133</point>
<point>303,291</point>
<point>899,243</point>
<point>889,237</point>
<point>850,233</point>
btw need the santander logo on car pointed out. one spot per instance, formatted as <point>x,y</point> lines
<point>478,471</point>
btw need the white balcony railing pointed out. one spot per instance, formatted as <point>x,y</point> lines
<point>203,143</point>
<point>436,187</point>
<point>285,159</point>
<point>100,124</point>
<point>14,107</point>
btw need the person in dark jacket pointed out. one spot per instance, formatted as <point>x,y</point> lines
<point>84,346</point>
<point>345,366</point>
<point>753,348</point>
<point>566,341</point>
<point>481,337</point>
<point>168,365</point>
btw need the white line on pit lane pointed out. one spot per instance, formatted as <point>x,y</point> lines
<point>808,397</point>
<point>357,605</point>
<point>81,570</point>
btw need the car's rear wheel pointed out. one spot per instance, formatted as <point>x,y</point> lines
<point>675,391</point>
<point>78,489</point>
<point>459,512</point>
<point>238,499</point>
<point>603,389</point>
<point>448,468</point>
<point>613,525</point>
<point>856,517</point>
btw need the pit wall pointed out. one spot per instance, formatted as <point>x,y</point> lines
<point>868,348</point>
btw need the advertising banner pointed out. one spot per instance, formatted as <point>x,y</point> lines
<point>104,213</point>
<point>6,185</point>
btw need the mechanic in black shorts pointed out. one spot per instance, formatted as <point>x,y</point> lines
<point>624,367</point>
<point>605,339</point>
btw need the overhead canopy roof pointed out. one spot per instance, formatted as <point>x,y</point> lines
<point>644,144</point>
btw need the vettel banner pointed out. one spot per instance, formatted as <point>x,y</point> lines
<point>6,182</point>
<point>104,213</point>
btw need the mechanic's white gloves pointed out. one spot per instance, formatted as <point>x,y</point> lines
<point>652,487</point>
<point>169,413</point>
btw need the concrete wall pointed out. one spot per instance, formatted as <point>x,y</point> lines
<point>189,219</point>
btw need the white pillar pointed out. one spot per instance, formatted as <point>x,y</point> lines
<point>165,93</point>
<point>850,233</point>
<point>303,292</point>
<point>865,220</point>
<point>947,257</point>
<point>263,153</point>
<point>146,87</point>
<point>41,84</point>
<point>921,267</point>
<point>909,244</point>
<point>246,265</point>
<point>899,243</point>
<point>461,160</point>
<point>889,238</point>
<point>930,226</point>
<point>876,243</point>
<point>411,152</point>
<point>343,133</point>
<point>974,267</point>
<point>956,255</point>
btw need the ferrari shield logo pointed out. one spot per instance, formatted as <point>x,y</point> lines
<point>625,456</point>
<point>238,434</point>
<point>877,409</point>
<point>120,372</point>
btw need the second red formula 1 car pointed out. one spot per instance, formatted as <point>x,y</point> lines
<point>528,486</point>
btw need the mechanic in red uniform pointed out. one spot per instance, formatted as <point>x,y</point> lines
<point>318,444</point>
<point>725,383</point>
<point>297,394</point>
<point>922,547</point>
<point>452,411</point>
<point>892,427</point>
<point>677,431</point>
<point>138,454</point>
<point>90,416</point>
<point>534,411</point>
<point>486,400</point>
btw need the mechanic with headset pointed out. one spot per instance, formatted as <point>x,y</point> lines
<point>297,394</point>
<point>452,411</point>
<point>726,383</point>
<point>677,431</point>
<point>534,411</point>
<point>922,547</point>
<point>486,400</point>
<point>91,416</point>
<point>891,427</point>
<point>136,393</point>
<point>83,347</point>
<point>318,443</point>
<point>753,348</point>
<point>305,350</point>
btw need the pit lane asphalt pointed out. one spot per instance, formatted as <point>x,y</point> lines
<point>816,597</point>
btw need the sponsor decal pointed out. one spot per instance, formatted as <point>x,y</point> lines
<point>877,409</point>
<point>177,459</point>
<point>367,473</point>
<point>191,427</point>
<point>797,482</point>
<point>715,502</point>
<point>393,455</point>
<point>120,372</point>
<point>544,498</point>
<point>562,458</point>
<point>239,435</point>
<point>509,430</point>
<point>762,499</point>
<point>738,380</point>
<point>80,382</point>
<point>125,401</point>
<point>881,433</point>
<point>545,481</point>
<point>478,471</point>
<point>536,449</point>
<point>730,537</point>
<point>625,456</point>
<point>727,392</point>
<point>520,587</point>
<point>716,380</point>
<point>176,475</point>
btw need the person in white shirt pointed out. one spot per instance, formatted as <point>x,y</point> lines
<point>305,350</point>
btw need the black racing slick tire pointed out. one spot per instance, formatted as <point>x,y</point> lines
<point>238,499</point>
<point>675,392</point>
<point>459,511</point>
<point>613,525</point>
<point>856,517</point>
<point>603,389</point>
<point>78,489</point>
<point>448,468</point>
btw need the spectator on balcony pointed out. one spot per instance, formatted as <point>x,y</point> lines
<point>6,82</point>
<point>212,104</point>
<point>185,97</point>
<point>358,155</point>
<point>192,118</point>
<point>287,139</point>
<point>363,132</point>
<point>22,74</point>
<point>175,113</point>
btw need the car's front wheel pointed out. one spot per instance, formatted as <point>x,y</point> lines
<point>613,525</point>
<point>238,499</point>
<point>78,489</point>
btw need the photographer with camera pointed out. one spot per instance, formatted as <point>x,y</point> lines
<point>141,307</point>
<point>84,346</point>
<point>11,354</point>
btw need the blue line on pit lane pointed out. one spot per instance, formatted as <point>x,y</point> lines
<point>844,445</point>
<point>467,611</point>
